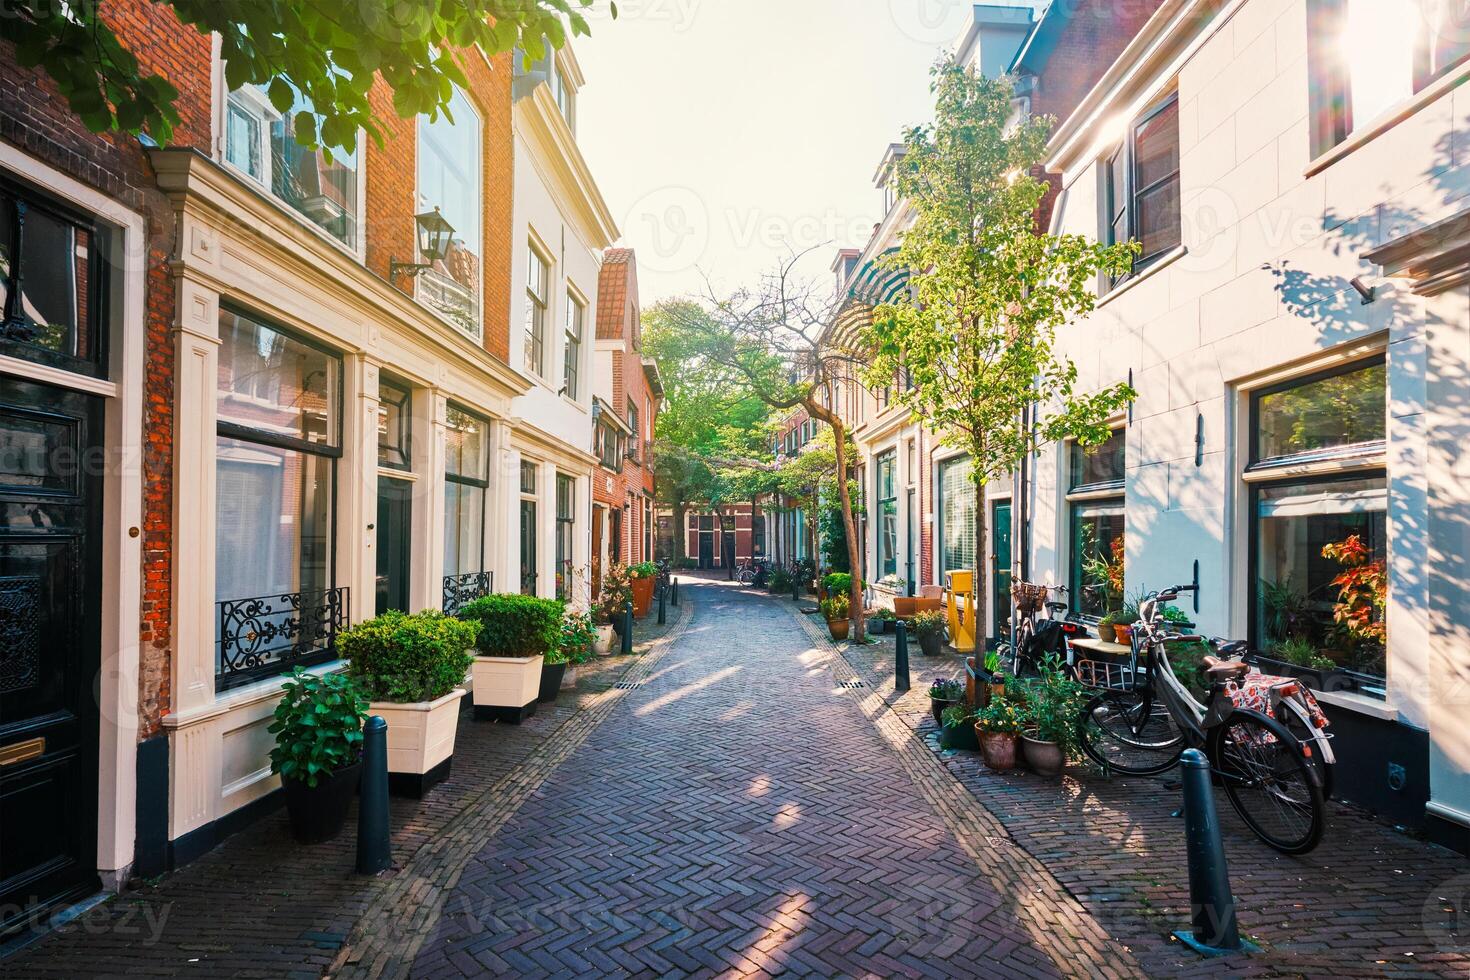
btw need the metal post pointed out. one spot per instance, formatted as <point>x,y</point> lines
<point>1215,932</point>
<point>627,629</point>
<point>795,587</point>
<point>676,591</point>
<point>374,850</point>
<point>661,604</point>
<point>901,658</point>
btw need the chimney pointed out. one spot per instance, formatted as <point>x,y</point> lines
<point>994,36</point>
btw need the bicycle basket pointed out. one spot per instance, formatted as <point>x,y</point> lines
<point>1029,597</point>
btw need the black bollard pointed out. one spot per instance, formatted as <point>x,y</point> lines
<point>661,605</point>
<point>901,657</point>
<point>676,591</point>
<point>628,629</point>
<point>1215,932</point>
<point>374,850</point>
<point>795,589</point>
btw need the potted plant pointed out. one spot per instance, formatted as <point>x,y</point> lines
<point>642,576</point>
<point>516,634</point>
<point>318,754</point>
<point>1052,707</point>
<point>929,628</point>
<point>836,609</point>
<point>944,693</point>
<point>875,622</point>
<point>958,731</point>
<point>411,669</point>
<point>1107,629</point>
<point>997,727</point>
<point>578,634</point>
<point>612,604</point>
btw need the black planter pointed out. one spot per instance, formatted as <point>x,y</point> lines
<point>929,643</point>
<point>961,737</point>
<point>551,675</point>
<point>937,707</point>
<point>1331,679</point>
<point>317,814</point>
<point>875,627</point>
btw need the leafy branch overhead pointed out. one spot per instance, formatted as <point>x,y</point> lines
<point>317,58</point>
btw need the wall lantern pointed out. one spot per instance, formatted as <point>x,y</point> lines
<point>436,238</point>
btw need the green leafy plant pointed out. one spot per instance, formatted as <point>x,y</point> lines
<point>886,614</point>
<point>332,54</point>
<point>1053,703</point>
<point>956,716</point>
<point>517,626</point>
<point>779,580</point>
<point>318,726</point>
<point>1001,717</point>
<point>992,662</point>
<point>838,582</point>
<point>578,632</point>
<point>836,607</point>
<point>644,569</point>
<point>617,592</point>
<point>946,689</point>
<point>405,659</point>
<point>1297,651</point>
<point>1187,660</point>
<point>1285,611</point>
<point>929,623</point>
<point>1176,617</point>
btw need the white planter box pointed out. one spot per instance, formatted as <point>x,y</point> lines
<point>506,687</point>
<point>420,740</point>
<point>569,679</point>
<point>606,638</point>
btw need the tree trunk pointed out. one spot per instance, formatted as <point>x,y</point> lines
<point>854,557</point>
<point>681,531</point>
<point>982,578</point>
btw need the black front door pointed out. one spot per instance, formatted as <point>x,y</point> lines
<point>50,641</point>
<point>528,547</point>
<point>706,549</point>
<point>395,521</point>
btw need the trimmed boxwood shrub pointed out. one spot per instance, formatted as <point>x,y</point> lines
<point>838,582</point>
<point>516,625</point>
<point>405,659</point>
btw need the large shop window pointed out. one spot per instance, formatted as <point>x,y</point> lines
<point>1095,490</point>
<point>887,514</point>
<point>320,185</point>
<point>51,283</point>
<point>1369,56</point>
<point>1320,544</point>
<point>449,179</point>
<point>279,407</point>
<point>1141,189</point>
<point>394,424</point>
<point>465,484</point>
<point>957,515</point>
<point>566,522</point>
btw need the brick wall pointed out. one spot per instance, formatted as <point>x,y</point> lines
<point>35,118</point>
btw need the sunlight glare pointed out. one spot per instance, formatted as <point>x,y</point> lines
<point>1378,48</point>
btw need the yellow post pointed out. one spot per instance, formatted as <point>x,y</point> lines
<point>958,599</point>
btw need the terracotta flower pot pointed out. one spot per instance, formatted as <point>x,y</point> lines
<point>1125,633</point>
<point>999,749</point>
<point>1044,758</point>
<point>839,628</point>
<point>642,596</point>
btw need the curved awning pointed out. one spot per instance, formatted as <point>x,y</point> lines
<point>870,287</point>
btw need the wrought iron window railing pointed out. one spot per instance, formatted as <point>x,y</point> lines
<point>269,635</point>
<point>460,590</point>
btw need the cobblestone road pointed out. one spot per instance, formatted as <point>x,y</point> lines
<point>736,812</point>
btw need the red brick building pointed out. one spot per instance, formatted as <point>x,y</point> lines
<point>628,391</point>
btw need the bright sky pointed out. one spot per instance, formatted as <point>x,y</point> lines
<point>720,130</point>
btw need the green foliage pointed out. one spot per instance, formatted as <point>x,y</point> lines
<point>318,726</point>
<point>644,569</point>
<point>1297,651</point>
<point>1053,704</point>
<point>886,614</point>
<point>406,659</point>
<point>946,689</point>
<point>833,531</point>
<point>328,52</point>
<point>992,662</point>
<point>1187,661</point>
<point>976,331</point>
<point>836,607</point>
<point>1001,716</point>
<point>517,626</point>
<point>957,716</point>
<point>1286,612</point>
<point>929,623</point>
<point>779,580</point>
<point>578,632</point>
<point>835,582</point>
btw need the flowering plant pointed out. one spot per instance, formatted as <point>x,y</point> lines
<point>944,689</point>
<point>1000,717</point>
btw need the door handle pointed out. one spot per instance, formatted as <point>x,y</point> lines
<point>21,751</point>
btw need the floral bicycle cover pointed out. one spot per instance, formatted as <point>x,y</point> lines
<point>1253,693</point>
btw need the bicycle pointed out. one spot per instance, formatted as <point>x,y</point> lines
<point>751,571</point>
<point>1275,763</point>
<point>1036,639</point>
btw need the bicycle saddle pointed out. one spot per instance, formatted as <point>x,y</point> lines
<point>1229,649</point>
<point>1224,670</point>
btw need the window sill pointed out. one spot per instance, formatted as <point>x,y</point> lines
<point>1101,493</point>
<point>1316,468</point>
<point>1388,120</point>
<point>442,317</point>
<point>1363,705</point>
<point>1155,266</point>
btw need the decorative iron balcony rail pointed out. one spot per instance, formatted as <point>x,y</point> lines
<point>460,590</point>
<point>269,635</point>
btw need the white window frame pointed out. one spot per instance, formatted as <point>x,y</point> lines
<point>575,302</point>
<point>534,302</point>
<point>479,335</point>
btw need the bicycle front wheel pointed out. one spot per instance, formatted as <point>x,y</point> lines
<point>1130,732</point>
<point>1268,782</point>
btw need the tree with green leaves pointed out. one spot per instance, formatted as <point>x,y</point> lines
<point>976,333</point>
<point>809,480</point>
<point>769,342</point>
<point>326,51</point>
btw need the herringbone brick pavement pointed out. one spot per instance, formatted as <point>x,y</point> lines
<point>737,814</point>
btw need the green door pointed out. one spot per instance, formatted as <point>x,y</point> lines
<point>1000,550</point>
